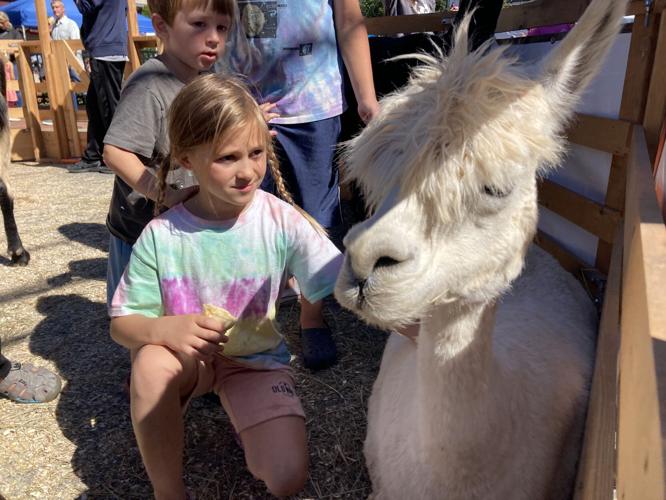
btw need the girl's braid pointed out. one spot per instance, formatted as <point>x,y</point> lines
<point>162,174</point>
<point>284,193</point>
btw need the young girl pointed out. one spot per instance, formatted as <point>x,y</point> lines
<point>231,245</point>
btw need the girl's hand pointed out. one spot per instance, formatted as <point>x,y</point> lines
<point>175,196</point>
<point>194,335</point>
<point>368,109</point>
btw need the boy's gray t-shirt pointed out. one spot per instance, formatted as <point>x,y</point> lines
<point>139,125</point>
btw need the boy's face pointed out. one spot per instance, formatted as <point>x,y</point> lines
<point>196,37</point>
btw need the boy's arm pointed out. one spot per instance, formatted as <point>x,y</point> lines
<point>353,42</point>
<point>129,168</point>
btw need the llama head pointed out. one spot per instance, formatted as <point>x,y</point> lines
<point>448,169</point>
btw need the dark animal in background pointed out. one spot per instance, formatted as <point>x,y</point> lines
<point>18,254</point>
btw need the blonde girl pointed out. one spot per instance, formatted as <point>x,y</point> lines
<point>231,245</point>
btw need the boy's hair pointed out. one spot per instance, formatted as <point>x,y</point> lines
<point>206,111</point>
<point>167,9</point>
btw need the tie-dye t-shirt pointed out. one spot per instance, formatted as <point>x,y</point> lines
<point>288,50</point>
<point>181,262</point>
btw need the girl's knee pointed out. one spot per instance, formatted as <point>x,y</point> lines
<point>154,365</point>
<point>285,479</point>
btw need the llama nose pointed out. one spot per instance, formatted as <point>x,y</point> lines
<point>364,261</point>
<point>385,261</point>
<point>377,245</point>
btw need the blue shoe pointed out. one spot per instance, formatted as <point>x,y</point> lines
<point>319,349</point>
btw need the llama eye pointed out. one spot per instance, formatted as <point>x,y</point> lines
<point>494,192</point>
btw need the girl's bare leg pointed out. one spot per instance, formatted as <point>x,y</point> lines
<point>276,452</point>
<point>312,314</point>
<point>160,378</point>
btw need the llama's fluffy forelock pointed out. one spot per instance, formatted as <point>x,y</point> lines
<point>474,120</point>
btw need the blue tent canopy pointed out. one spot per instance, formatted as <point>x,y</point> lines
<point>22,12</point>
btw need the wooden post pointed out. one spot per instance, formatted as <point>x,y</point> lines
<point>655,107</point>
<point>132,31</point>
<point>30,106</point>
<point>62,64</point>
<point>642,399</point>
<point>53,80</point>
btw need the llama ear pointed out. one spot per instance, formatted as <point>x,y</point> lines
<point>579,57</point>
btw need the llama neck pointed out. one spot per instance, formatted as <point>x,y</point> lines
<point>457,373</point>
<point>456,341</point>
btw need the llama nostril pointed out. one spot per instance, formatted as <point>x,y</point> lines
<point>386,262</point>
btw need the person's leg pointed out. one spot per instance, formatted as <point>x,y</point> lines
<point>101,101</point>
<point>276,452</point>
<point>161,381</point>
<point>108,93</point>
<point>266,412</point>
<point>307,161</point>
<point>92,153</point>
<point>119,256</point>
<point>390,7</point>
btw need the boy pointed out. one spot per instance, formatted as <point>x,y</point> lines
<point>193,35</point>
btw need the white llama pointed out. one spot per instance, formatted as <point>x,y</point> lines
<point>489,402</point>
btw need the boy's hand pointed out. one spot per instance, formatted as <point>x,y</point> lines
<point>194,335</point>
<point>368,109</point>
<point>175,196</point>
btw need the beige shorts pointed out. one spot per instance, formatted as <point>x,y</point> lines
<point>249,396</point>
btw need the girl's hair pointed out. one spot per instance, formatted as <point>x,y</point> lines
<point>167,9</point>
<point>206,111</point>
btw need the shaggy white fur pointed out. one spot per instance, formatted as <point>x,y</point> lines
<point>490,402</point>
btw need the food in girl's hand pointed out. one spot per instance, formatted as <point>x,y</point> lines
<point>220,313</point>
<point>245,336</point>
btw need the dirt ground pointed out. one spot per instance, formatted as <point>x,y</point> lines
<point>81,445</point>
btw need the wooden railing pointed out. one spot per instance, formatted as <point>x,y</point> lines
<point>641,468</point>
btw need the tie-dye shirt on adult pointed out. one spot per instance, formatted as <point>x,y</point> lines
<point>181,262</point>
<point>288,50</point>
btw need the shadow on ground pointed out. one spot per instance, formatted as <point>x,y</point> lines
<point>92,411</point>
<point>88,233</point>
<point>94,269</point>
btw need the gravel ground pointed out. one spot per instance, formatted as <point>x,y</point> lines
<point>81,445</point>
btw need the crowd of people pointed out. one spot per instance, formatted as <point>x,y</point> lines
<point>225,195</point>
